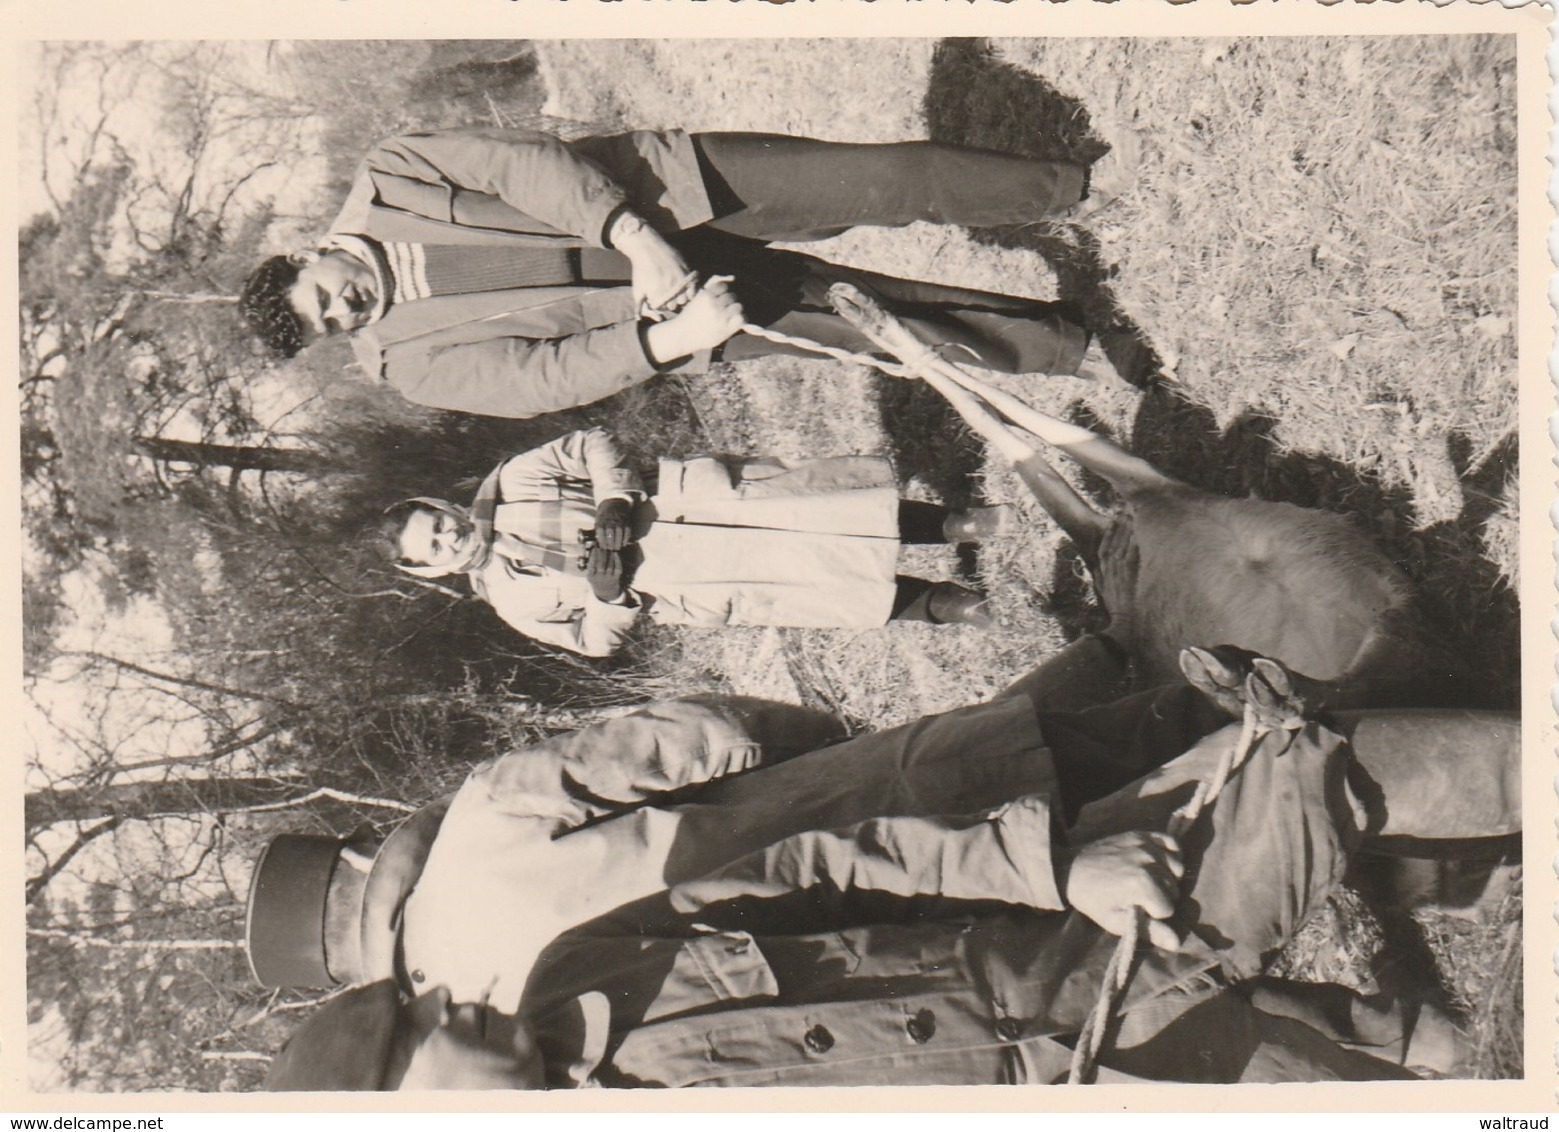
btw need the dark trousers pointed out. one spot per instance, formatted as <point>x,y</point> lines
<point>772,187</point>
<point>768,187</point>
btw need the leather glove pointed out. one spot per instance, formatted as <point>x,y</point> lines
<point>613,524</point>
<point>604,572</point>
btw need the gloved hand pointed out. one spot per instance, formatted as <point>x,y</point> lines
<point>613,524</point>
<point>604,572</point>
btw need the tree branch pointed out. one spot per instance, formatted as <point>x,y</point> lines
<point>37,884</point>
<point>334,796</point>
<point>182,681</point>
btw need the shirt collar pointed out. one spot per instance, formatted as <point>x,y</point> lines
<point>369,252</point>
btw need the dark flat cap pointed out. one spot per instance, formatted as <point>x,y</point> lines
<point>285,922</point>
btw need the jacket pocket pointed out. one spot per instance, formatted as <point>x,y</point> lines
<point>715,968</point>
<point>405,194</point>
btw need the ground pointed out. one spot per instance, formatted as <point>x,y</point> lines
<point>1317,262</point>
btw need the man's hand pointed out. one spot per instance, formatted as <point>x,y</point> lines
<point>604,572</point>
<point>1116,580</point>
<point>613,524</point>
<point>713,316</point>
<point>1109,879</point>
<point>662,282</point>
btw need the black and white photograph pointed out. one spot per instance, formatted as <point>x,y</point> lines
<point>785,560</point>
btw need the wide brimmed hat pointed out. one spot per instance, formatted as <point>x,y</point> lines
<point>285,922</point>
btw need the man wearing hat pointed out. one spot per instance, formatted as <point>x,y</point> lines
<point>470,888</point>
<point>544,880</point>
<point>964,950</point>
<point>568,547</point>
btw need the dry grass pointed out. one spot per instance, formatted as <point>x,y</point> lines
<point>1319,251</point>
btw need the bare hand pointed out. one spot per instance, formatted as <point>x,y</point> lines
<point>613,524</point>
<point>604,572</point>
<point>713,316</point>
<point>662,281</point>
<point>1109,879</point>
<point>1116,580</point>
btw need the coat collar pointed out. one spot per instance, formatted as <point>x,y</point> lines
<point>396,869</point>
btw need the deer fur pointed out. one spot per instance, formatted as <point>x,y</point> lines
<point>1177,566</point>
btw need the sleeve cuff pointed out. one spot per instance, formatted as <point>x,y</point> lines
<point>629,495</point>
<point>644,325</point>
<point>607,224</point>
<point>619,483</point>
<point>1025,832</point>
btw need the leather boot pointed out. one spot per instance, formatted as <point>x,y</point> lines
<point>1096,366</point>
<point>978,523</point>
<point>948,603</point>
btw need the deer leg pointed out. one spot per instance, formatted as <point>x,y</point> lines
<point>1400,665</point>
<point>1076,517</point>
<point>1073,514</point>
<point>1092,451</point>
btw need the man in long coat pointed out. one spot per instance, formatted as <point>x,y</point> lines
<point>508,273</point>
<point>718,542</point>
<point>705,977</point>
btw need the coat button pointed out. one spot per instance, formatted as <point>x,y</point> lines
<point>921,1027</point>
<point>418,977</point>
<point>1009,1029</point>
<point>818,1039</point>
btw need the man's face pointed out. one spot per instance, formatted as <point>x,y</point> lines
<point>335,292</point>
<point>433,538</point>
<point>466,1047</point>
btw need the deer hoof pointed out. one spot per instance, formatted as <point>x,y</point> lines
<point>1217,678</point>
<point>1270,690</point>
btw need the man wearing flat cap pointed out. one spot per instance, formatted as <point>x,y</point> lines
<point>896,909</point>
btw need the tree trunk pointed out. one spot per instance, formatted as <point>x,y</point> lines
<point>243,458</point>
<point>131,943</point>
<point>140,801</point>
<point>135,800</point>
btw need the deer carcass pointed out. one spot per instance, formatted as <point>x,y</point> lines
<point>1177,566</point>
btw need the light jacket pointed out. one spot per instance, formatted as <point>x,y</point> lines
<point>549,495</point>
<point>722,542</point>
<point>525,351</point>
<point>469,891</point>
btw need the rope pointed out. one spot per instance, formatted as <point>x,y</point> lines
<point>835,352</point>
<point>689,286</point>
<point>1117,976</point>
